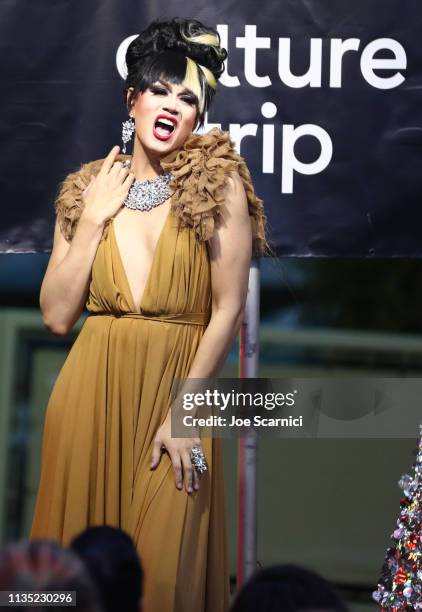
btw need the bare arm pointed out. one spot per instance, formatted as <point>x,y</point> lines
<point>66,281</point>
<point>230,255</point>
<point>65,285</point>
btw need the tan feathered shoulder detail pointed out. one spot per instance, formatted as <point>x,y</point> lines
<point>200,169</point>
<point>69,204</point>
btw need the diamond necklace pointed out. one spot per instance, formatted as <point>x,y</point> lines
<point>144,195</point>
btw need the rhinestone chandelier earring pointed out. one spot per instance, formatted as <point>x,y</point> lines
<point>128,127</point>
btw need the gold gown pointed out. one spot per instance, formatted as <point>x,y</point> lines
<point>111,396</point>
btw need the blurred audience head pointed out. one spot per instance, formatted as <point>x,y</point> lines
<point>43,565</point>
<point>113,563</point>
<point>287,588</point>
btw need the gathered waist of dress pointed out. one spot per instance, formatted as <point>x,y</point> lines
<point>192,318</point>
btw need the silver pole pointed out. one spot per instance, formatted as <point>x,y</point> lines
<point>247,445</point>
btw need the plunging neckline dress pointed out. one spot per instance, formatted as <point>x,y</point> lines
<point>114,389</point>
<point>106,405</point>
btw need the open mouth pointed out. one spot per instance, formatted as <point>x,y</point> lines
<point>163,128</point>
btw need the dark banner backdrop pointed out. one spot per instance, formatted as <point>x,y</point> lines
<point>323,99</point>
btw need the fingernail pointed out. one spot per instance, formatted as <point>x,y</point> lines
<point>189,489</point>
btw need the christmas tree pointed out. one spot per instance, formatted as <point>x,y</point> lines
<point>400,586</point>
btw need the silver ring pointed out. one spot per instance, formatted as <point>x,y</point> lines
<point>198,459</point>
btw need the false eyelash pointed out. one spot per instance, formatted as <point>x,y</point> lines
<point>161,90</point>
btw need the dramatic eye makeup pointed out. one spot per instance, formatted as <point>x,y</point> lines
<point>188,97</point>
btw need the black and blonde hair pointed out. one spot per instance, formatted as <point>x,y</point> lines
<point>181,51</point>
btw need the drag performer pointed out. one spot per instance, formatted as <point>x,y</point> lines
<point>157,246</point>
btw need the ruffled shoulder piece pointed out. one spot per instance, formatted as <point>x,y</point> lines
<point>68,203</point>
<point>200,169</point>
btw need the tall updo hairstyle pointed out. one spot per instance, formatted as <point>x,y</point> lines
<point>180,51</point>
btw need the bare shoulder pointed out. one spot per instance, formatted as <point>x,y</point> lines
<point>232,235</point>
<point>234,206</point>
<point>230,248</point>
<point>236,189</point>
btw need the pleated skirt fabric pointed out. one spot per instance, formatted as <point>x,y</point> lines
<point>108,401</point>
